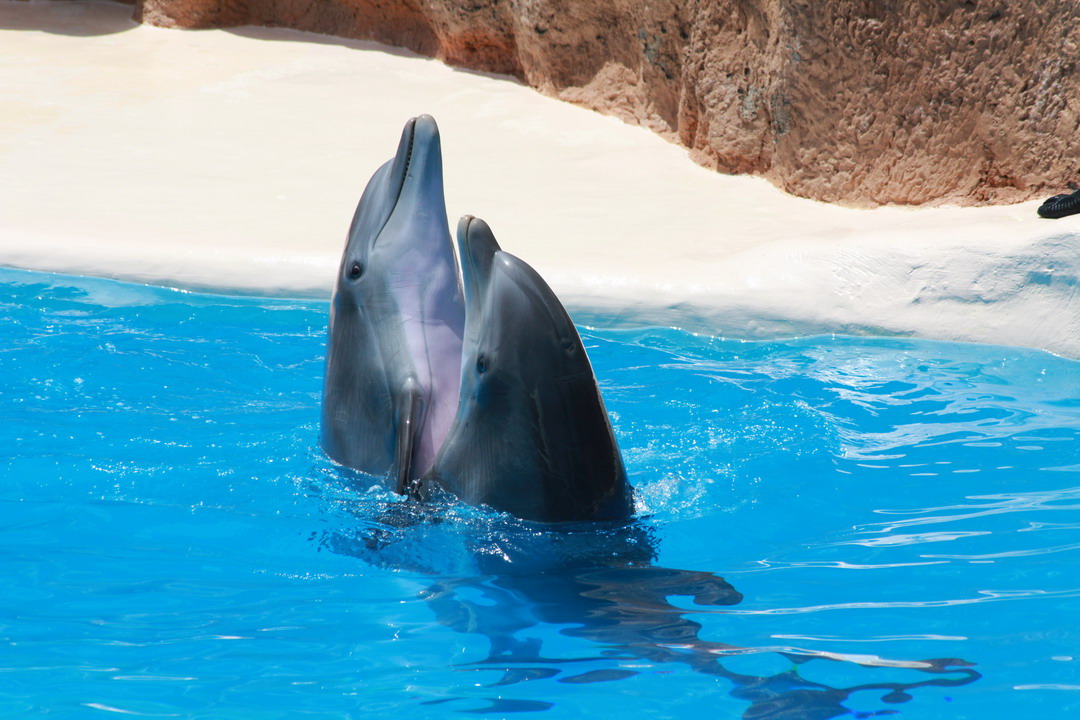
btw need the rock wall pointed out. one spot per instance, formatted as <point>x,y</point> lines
<point>862,102</point>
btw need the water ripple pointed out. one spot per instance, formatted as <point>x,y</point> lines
<point>174,540</point>
<point>985,596</point>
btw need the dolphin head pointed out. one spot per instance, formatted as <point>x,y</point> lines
<point>407,189</point>
<point>517,333</point>
<point>396,319</point>
<point>532,436</point>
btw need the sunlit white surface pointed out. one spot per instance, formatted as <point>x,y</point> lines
<point>234,159</point>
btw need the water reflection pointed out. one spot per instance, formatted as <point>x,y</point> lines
<point>525,583</point>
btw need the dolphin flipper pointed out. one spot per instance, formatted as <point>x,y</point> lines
<point>408,414</point>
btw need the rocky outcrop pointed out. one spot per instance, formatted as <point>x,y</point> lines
<point>864,102</point>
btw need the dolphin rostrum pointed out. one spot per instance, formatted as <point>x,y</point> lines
<point>531,436</point>
<point>393,358</point>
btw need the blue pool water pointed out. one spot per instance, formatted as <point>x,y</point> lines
<point>827,527</point>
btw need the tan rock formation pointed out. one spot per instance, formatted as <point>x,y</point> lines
<point>864,102</point>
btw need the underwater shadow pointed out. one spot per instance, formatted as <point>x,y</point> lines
<point>597,583</point>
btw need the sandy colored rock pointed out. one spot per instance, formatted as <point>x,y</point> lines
<point>862,103</point>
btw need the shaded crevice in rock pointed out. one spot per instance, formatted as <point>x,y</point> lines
<point>864,103</point>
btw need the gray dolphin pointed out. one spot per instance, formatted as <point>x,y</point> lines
<point>531,437</point>
<point>393,358</point>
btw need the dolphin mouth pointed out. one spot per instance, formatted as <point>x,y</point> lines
<point>418,136</point>
<point>419,153</point>
<point>410,129</point>
<point>416,168</point>
<point>403,158</point>
<point>477,249</point>
<point>465,254</point>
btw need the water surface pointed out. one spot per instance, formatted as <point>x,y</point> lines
<point>826,527</point>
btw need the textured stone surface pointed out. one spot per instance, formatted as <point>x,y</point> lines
<point>862,102</point>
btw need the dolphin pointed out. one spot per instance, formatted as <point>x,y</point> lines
<point>531,436</point>
<point>393,358</point>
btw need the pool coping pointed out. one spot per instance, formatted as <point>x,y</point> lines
<point>103,180</point>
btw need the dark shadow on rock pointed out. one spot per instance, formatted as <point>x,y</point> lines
<point>280,34</point>
<point>76,18</point>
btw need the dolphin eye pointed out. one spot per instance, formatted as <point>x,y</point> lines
<point>356,270</point>
<point>481,364</point>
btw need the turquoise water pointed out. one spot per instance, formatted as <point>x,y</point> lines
<point>827,527</point>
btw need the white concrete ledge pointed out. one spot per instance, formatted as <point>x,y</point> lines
<point>233,160</point>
